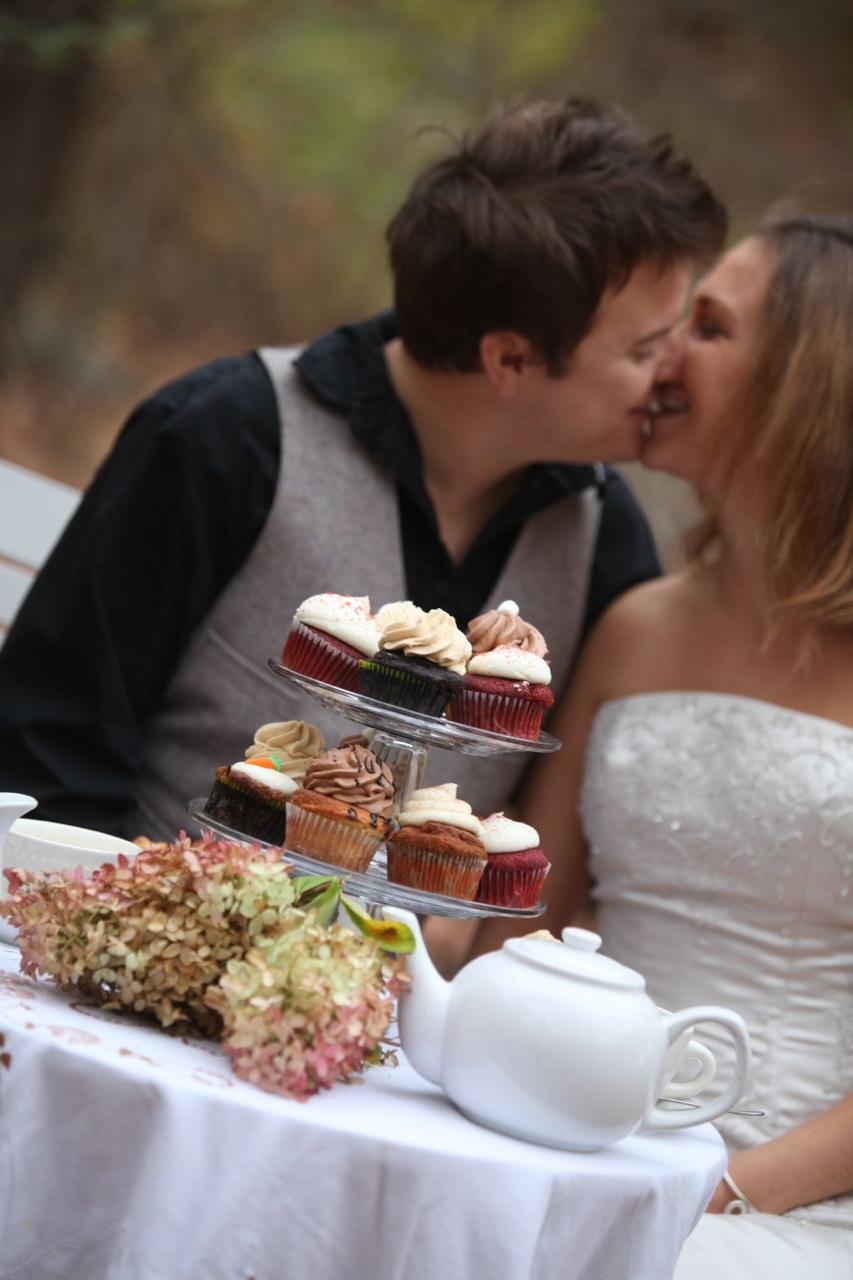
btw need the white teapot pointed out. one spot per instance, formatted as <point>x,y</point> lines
<point>551,1042</point>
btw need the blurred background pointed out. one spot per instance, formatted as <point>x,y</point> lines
<point>183,179</point>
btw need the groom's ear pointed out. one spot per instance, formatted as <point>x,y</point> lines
<point>505,357</point>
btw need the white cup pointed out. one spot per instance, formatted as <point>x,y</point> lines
<point>683,1051</point>
<point>35,845</point>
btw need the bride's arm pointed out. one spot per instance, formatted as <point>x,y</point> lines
<point>812,1162</point>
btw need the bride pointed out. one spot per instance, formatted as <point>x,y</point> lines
<point>708,742</point>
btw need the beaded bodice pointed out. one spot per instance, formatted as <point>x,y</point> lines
<point>721,835</point>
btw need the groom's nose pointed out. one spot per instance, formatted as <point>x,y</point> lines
<point>672,355</point>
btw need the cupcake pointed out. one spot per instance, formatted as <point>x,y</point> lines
<point>438,846</point>
<point>517,867</point>
<point>505,688</point>
<point>295,741</point>
<point>342,812</point>
<point>329,636</point>
<point>420,660</point>
<point>250,796</point>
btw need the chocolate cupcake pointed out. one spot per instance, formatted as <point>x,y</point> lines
<point>438,846</point>
<point>517,867</point>
<point>251,798</point>
<point>505,687</point>
<point>329,636</point>
<point>420,661</point>
<point>342,812</point>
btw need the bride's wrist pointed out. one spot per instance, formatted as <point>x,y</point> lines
<point>738,1201</point>
<point>736,1192</point>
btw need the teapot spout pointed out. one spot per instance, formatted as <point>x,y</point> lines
<point>422,1011</point>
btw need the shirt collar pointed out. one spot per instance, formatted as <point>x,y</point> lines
<point>346,369</point>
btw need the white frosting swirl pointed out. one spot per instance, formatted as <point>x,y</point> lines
<point>271,778</point>
<point>502,835</point>
<point>509,663</point>
<point>347,618</point>
<point>439,804</point>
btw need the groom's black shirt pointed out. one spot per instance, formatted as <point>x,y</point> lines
<point>171,517</point>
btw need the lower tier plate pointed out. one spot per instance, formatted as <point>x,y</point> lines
<point>371,885</point>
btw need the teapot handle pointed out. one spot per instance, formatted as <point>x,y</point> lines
<point>658,1118</point>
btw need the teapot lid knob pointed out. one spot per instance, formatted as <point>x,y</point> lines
<point>581,939</point>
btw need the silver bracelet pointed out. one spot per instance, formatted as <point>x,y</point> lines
<point>741,1203</point>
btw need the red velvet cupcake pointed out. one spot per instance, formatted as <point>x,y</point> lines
<point>517,867</point>
<point>513,707</point>
<point>506,682</point>
<point>329,636</point>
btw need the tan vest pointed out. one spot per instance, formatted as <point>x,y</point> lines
<point>334,525</point>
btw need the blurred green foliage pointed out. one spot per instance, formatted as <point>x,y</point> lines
<point>189,177</point>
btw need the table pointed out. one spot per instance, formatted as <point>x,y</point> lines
<point>126,1154</point>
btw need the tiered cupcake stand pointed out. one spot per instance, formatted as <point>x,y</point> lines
<point>402,739</point>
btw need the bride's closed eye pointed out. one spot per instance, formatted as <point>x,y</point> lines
<point>708,327</point>
<point>706,322</point>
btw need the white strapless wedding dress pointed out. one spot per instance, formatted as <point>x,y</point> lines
<point>721,836</point>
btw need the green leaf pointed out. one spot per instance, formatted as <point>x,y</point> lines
<point>389,935</point>
<point>319,894</point>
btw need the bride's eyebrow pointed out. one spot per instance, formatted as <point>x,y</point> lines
<point>705,300</point>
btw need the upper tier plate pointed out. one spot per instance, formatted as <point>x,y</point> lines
<point>432,730</point>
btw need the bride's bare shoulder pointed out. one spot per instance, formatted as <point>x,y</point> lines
<point>641,636</point>
<point>663,603</point>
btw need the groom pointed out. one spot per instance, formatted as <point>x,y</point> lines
<point>450,452</point>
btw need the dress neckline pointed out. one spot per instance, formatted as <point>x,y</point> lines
<point>734,698</point>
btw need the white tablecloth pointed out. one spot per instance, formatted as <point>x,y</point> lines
<point>129,1155</point>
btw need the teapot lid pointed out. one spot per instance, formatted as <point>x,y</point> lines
<point>576,957</point>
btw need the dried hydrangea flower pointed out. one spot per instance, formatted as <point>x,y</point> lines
<point>207,936</point>
<point>306,1008</point>
<point>151,934</point>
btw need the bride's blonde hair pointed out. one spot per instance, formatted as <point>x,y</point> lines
<point>796,432</point>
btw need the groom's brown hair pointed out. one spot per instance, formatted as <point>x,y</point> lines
<point>526,222</point>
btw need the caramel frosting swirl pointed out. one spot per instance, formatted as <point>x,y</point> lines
<point>355,776</point>
<point>294,742</point>
<point>433,635</point>
<point>503,628</point>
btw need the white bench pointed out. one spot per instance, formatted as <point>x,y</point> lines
<point>33,513</point>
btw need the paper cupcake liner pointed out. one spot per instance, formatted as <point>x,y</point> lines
<point>311,654</point>
<point>516,717</point>
<point>511,888</point>
<point>341,844</point>
<point>419,868</point>
<point>402,688</point>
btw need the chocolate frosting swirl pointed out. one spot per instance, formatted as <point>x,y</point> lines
<point>353,775</point>
<point>503,628</point>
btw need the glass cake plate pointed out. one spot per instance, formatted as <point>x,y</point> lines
<point>433,731</point>
<point>372,885</point>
